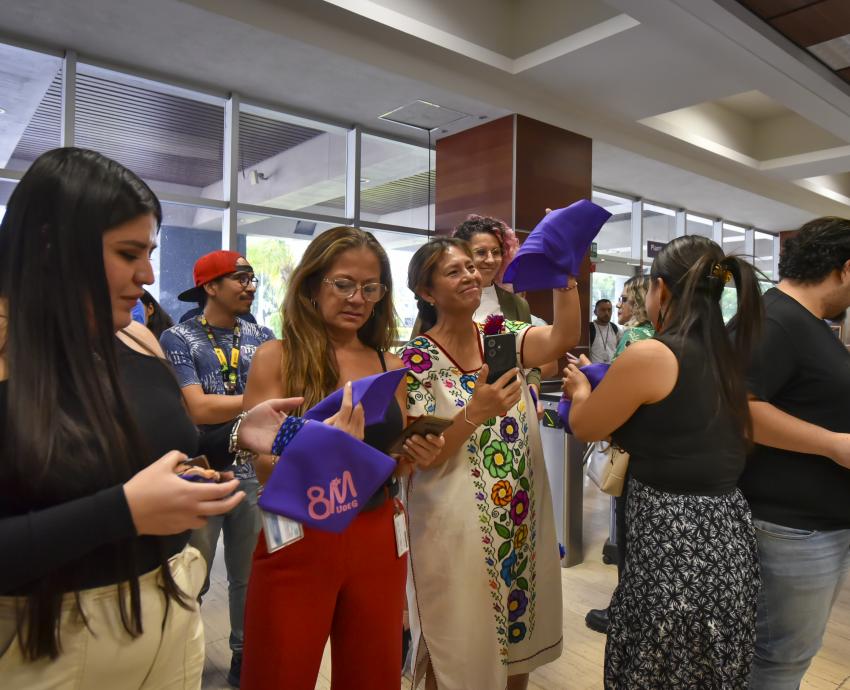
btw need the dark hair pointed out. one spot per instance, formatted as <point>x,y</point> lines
<point>601,301</point>
<point>68,429</point>
<point>308,367</point>
<point>420,273</point>
<point>695,271</point>
<point>505,236</point>
<point>159,321</point>
<point>818,248</point>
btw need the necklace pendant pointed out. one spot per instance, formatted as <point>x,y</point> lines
<point>230,387</point>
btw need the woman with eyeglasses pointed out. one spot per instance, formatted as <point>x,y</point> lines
<point>493,245</point>
<point>631,314</point>
<point>98,585</point>
<point>338,323</point>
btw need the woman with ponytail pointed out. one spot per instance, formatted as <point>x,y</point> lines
<point>684,611</point>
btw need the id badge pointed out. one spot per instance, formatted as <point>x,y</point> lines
<point>400,524</point>
<point>280,531</point>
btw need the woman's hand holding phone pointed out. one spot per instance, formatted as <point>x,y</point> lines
<point>493,399</point>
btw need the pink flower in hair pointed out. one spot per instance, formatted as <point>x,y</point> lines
<point>494,324</point>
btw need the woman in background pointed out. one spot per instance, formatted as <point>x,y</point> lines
<point>156,318</point>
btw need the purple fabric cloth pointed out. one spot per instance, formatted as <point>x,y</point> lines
<point>375,392</point>
<point>556,247</point>
<point>594,373</point>
<point>324,477</point>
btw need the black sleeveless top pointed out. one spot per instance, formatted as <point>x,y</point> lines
<point>686,443</point>
<point>382,434</point>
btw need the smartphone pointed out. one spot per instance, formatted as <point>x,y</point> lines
<point>197,469</point>
<point>423,426</point>
<point>499,354</point>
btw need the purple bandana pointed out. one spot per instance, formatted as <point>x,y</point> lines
<point>594,374</point>
<point>556,247</point>
<point>324,475</point>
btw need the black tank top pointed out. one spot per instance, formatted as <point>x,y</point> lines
<point>685,443</point>
<point>382,434</point>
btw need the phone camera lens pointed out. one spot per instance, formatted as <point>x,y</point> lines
<point>491,343</point>
<point>491,353</point>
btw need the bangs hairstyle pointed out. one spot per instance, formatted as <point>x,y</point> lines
<point>695,270</point>
<point>309,367</point>
<point>420,273</point>
<point>68,431</point>
<point>635,290</point>
<point>503,233</point>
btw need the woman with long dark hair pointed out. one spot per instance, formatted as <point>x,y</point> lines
<point>156,318</point>
<point>684,611</point>
<point>484,554</point>
<point>338,323</point>
<point>96,588</point>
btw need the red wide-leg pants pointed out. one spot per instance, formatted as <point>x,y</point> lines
<point>349,587</point>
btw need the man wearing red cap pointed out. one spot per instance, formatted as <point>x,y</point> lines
<point>211,354</point>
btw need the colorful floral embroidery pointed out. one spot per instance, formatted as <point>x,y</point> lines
<point>416,360</point>
<point>517,603</point>
<point>498,459</point>
<point>520,535</point>
<point>467,381</point>
<point>519,507</point>
<point>516,633</point>
<point>502,493</point>
<point>509,429</point>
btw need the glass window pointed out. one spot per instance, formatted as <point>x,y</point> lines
<point>697,225</point>
<point>291,163</point>
<point>171,137</point>
<point>187,233</point>
<point>659,226</point>
<point>400,246</point>
<point>734,239</point>
<point>273,246</point>
<point>615,237</point>
<point>6,188</point>
<point>396,183</point>
<point>763,253</point>
<point>31,88</point>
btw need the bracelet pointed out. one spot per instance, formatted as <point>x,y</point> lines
<point>568,286</point>
<point>233,445</point>
<point>467,419</point>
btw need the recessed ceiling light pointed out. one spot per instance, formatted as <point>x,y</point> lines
<point>2,111</point>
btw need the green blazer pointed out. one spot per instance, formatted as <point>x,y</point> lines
<point>514,308</point>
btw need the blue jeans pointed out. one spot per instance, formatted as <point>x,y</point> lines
<point>802,572</point>
<point>240,527</point>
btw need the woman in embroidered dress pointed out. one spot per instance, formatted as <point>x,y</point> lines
<point>484,555</point>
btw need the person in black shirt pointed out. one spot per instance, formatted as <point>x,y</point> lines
<point>684,612</point>
<point>797,479</point>
<point>96,587</point>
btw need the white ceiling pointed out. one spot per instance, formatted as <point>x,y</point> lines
<point>324,60</point>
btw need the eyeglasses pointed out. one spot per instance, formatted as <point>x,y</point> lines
<point>346,289</point>
<point>482,253</point>
<point>622,301</point>
<point>245,279</point>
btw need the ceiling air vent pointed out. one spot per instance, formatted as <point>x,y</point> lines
<point>423,115</point>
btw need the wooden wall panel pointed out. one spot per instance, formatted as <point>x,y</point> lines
<point>816,23</point>
<point>475,174</point>
<point>768,9</point>
<point>553,170</point>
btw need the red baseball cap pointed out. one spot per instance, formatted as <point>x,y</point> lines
<point>209,267</point>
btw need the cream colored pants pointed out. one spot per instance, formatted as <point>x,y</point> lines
<point>169,655</point>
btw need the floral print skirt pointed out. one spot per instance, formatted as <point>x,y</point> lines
<point>684,613</point>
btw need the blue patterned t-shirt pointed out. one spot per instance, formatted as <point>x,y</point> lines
<point>187,347</point>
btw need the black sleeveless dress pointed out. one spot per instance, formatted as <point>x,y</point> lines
<point>683,615</point>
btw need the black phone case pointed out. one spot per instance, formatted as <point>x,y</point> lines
<point>499,354</point>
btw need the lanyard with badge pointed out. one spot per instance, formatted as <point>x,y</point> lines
<point>229,370</point>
